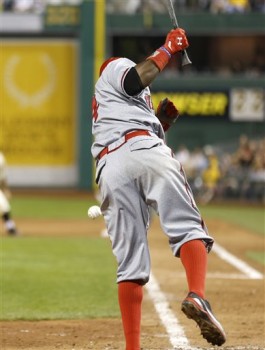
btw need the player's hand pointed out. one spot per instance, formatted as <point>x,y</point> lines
<point>167,113</point>
<point>176,41</point>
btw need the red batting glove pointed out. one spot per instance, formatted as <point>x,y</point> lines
<point>167,113</point>
<point>176,41</point>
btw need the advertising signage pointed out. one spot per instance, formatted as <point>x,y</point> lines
<point>236,104</point>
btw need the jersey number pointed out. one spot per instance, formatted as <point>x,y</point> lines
<point>94,109</point>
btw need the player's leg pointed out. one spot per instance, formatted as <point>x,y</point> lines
<point>165,188</point>
<point>194,258</point>
<point>5,211</point>
<point>126,216</point>
<point>127,231</point>
<point>167,191</point>
<point>188,237</point>
<point>130,294</point>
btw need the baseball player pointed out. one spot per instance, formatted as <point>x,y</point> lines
<point>5,209</point>
<point>136,170</point>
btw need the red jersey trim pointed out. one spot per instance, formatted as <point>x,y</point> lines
<point>104,64</point>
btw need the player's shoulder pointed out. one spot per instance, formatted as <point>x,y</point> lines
<point>113,74</point>
<point>126,61</point>
<point>118,64</point>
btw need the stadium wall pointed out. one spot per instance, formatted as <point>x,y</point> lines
<point>213,109</point>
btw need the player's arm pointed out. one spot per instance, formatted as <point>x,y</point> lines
<point>139,77</point>
<point>145,72</point>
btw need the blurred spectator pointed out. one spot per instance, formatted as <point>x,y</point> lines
<point>256,188</point>
<point>54,2</point>
<point>229,6</point>
<point>64,2</point>
<point>24,5</point>
<point>241,162</point>
<point>244,155</point>
<point>126,7</point>
<point>141,6</point>
<point>197,163</point>
<point>8,5</point>
<point>154,6</point>
<point>183,155</point>
<point>136,6</point>
<point>258,5</point>
<point>218,6</point>
<point>237,6</point>
<point>35,6</point>
<point>214,6</point>
<point>210,176</point>
<point>223,173</point>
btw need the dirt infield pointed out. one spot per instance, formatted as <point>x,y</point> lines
<point>237,300</point>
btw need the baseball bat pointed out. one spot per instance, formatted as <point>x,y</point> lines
<point>172,15</point>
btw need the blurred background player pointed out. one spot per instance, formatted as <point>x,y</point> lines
<point>5,209</point>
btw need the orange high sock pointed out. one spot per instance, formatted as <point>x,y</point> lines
<point>130,300</point>
<point>193,256</point>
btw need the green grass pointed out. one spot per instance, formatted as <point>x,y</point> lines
<point>74,277</point>
<point>50,208</point>
<point>252,218</point>
<point>57,278</point>
<point>257,256</point>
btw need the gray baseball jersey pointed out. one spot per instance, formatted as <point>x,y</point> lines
<point>115,113</point>
<point>136,173</point>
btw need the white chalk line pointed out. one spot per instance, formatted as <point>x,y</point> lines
<point>219,275</point>
<point>173,328</point>
<point>236,262</point>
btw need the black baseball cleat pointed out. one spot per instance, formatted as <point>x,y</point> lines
<point>200,311</point>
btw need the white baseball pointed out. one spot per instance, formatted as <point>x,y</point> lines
<point>94,211</point>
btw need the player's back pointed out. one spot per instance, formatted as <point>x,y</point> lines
<point>116,113</point>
